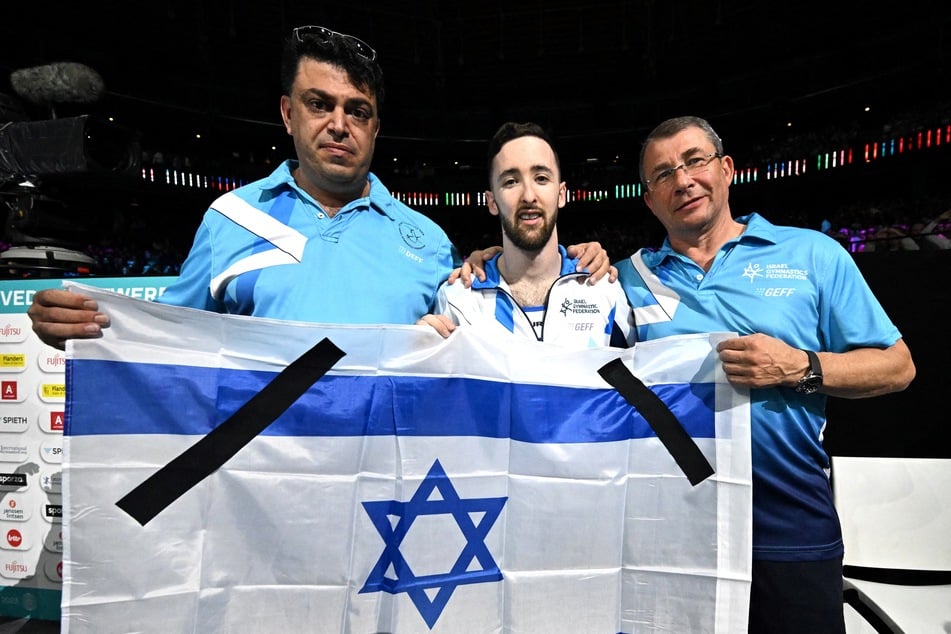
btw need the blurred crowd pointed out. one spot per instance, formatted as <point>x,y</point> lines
<point>885,227</point>
<point>894,205</point>
<point>877,229</point>
<point>859,229</point>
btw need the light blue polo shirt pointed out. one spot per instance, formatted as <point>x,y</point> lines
<point>794,284</point>
<point>268,250</point>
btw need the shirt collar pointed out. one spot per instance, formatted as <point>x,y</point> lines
<point>493,278</point>
<point>758,229</point>
<point>379,198</point>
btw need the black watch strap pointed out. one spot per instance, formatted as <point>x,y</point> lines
<point>811,383</point>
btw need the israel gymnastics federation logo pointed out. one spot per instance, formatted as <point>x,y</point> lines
<point>753,271</point>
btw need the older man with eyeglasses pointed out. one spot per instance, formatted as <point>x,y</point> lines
<point>320,239</point>
<point>809,328</point>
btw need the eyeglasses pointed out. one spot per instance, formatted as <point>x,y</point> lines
<point>695,165</point>
<point>323,36</point>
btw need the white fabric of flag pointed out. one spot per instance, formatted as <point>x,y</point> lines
<point>417,485</point>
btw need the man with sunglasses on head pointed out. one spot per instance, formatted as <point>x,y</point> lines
<point>320,239</point>
<point>809,328</point>
<point>532,290</point>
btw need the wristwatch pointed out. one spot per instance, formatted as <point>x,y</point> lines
<point>811,383</point>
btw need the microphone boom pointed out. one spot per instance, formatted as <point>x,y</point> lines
<point>61,82</point>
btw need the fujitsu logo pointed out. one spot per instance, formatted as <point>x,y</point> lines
<point>14,566</point>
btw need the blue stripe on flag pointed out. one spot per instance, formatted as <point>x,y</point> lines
<point>142,398</point>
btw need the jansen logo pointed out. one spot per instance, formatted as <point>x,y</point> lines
<point>54,541</point>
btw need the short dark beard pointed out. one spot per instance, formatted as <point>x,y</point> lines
<point>533,241</point>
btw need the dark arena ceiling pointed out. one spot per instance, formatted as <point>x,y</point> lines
<point>600,72</point>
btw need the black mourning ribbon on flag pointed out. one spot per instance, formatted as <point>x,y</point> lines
<point>671,433</point>
<point>211,452</point>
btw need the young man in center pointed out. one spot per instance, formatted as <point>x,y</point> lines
<point>532,288</point>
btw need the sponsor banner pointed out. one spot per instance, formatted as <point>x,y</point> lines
<point>32,419</point>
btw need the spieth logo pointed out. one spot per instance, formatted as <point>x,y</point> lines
<point>14,423</point>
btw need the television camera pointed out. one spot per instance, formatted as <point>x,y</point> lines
<point>53,171</point>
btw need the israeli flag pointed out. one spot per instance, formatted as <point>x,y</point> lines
<point>234,474</point>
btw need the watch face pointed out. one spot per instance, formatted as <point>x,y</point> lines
<point>813,379</point>
<point>809,384</point>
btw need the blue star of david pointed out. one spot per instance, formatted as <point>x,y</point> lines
<point>447,503</point>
